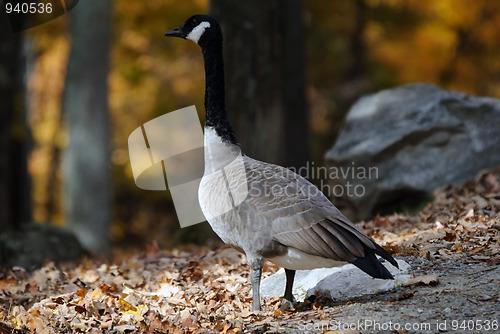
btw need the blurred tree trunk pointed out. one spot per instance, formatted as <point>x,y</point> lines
<point>87,198</point>
<point>15,199</point>
<point>265,77</point>
<point>355,82</point>
<point>357,42</point>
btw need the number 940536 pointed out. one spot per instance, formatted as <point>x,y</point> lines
<point>28,8</point>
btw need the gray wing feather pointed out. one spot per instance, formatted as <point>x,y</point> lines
<point>299,215</point>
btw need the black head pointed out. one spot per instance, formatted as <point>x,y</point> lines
<point>198,28</point>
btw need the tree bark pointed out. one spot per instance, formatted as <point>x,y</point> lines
<point>15,199</point>
<point>86,159</point>
<point>265,77</point>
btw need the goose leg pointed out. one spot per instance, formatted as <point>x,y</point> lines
<point>288,301</point>
<point>255,275</point>
<point>290,275</point>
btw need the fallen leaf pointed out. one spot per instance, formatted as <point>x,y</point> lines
<point>431,280</point>
<point>493,261</point>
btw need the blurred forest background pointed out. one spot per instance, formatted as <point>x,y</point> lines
<point>349,48</point>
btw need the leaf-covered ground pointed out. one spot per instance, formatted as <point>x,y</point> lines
<point>199,290</point>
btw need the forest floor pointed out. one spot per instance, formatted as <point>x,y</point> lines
<point>453,246</point>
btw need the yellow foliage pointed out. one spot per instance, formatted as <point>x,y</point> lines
<point>453,43</point>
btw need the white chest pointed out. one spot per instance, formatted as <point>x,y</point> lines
<point>223,186</point>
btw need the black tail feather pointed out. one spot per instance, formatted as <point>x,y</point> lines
<point>381,252</point>
<point>372,266</point>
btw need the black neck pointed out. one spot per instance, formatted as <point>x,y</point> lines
<point>214,90</point>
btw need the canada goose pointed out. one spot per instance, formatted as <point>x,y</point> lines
<point>282,218</point>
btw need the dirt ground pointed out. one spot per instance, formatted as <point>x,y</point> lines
<point>448,296</point>
<point>465,300</point>
<point>453,246</point>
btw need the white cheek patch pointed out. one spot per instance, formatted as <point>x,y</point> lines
<point>196,33</point>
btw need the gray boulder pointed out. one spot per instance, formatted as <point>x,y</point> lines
<point>32,244</point>
<point>400,144</point>
<point>337,283</point>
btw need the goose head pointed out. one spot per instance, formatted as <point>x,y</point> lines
<point>206,32</point>
<point>201,29</point>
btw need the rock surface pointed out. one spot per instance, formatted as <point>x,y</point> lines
<point>33,243</point>
<point>400,144</point>
<point>339,283</point>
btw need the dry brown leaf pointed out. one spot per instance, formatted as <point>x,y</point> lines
<point>423,280</point>
<point>493,261</point>
<point>201,290</point>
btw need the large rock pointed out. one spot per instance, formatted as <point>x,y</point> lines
<point>400,144</point>
<point>338,283</point>
<point>32,244</point>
